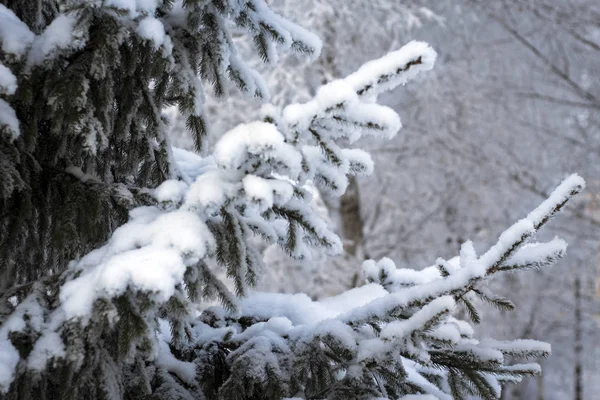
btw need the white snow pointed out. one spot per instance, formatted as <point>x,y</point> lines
<point>574,183</point>
<point>180,230</point>
<point>153,30</point>
<point>428,288</point>
<point>9,358</point>
<point>210,191</point>
<point>283,190</point>
<point>463,327</point>
<point>360,162</point>
<point>397,278</point>
<point>467,254</point>
<point>8,82</point>
<point>334,93</point>
<point>419,380</point>
<point>521,229</point>
<point>385,118</point>
<point>48,346</point>
<point>401,329</point>
<point>290,33</point>
<point>57,36</point>
<point>446,332</point>
<point>14,33</point>
<point>339,100</point>
<point>8,118</point>
<point>150,253</point>
<point>353,298</point>
<point>146,6</point>
<point>171,190</point>
<point>301,310</point>
<point>253,80</point>
<point>298,308</point>
<point>29,309</point>
<point>341,110</point>
<point>531,367</point>
<point>481,352</point>
<point>321,169</point>
<point>191,164</point>
<point>518,346</point>
<point>135,7</point>
<point>536,253</point>
<point>391,67</point>
<point>258,190</point>
<point>165,359</point>
<point>248,143</point>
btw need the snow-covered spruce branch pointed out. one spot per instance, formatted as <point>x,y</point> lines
<point>253,184</point>
<point>463,274</point>
<point>91,78</point>
<point>394,336</point>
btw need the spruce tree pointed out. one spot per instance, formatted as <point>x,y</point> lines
<point>113,243</point>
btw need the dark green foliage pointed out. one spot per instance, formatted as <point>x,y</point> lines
<point>213,369</point>
<point>471,310</point>
<point>92,142</point>
<point>88,123</point>
<point>98,108</point>
<point>500,303</point>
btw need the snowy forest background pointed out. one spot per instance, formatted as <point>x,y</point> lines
<point>511,108</point>
<point>512,104</point>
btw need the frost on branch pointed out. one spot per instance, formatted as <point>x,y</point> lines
<point>93,78</point>
<point>396,337</point>
<point>130,318</point>
<point>164,261</point>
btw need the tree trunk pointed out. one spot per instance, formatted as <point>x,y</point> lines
<point>351,220</point>
<point>540,386</point>
<point>505,393</point>
<point>578,342</point>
